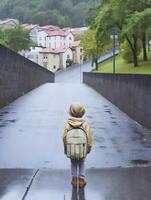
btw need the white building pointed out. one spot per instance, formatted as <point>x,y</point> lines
<point>34,28</point>
<point>54,59</point>
<point>32,54</point>
<point>8,23</point>
<point>55,39</point>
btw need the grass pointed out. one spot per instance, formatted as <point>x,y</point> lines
<point>126,68</point>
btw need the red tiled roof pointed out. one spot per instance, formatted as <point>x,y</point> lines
<point>75,44</point>
<point>55,51</point>
<point>57,33</point>
<point>50,27</point>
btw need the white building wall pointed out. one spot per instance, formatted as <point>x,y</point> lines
<point>55,41</point>
<point>41,38</point>
<point>69,39</point>
<point>32,54</point>
<point>59,41</point>
<point>67,55</point>
<point>34,34</point>
<point>49,61</point>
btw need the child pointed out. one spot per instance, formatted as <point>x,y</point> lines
<point>76,124</point>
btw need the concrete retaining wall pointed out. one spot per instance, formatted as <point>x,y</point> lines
<point>19,75</point>
<point>131,93</point>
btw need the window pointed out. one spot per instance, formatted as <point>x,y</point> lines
<point>81,50</point>
<point>54,66</point>
<point>45,57</point>
<point>68,56</point>
<point>45,64</point>
<point>70,38</point>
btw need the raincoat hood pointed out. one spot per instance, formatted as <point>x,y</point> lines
<point>75,122</point>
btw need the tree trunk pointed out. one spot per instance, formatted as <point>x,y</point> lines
<point>148,44</point>
<point>133,47</point>
<point>135,59</point>
<point>96,65</point>
<point>144,46</point>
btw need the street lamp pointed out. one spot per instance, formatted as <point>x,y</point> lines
<point>80,70</point>
<point>114,37</point>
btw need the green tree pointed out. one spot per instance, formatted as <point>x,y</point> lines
<point>18,38</point>
<point>90,46</point>
<point>130,17</point>
<point>72,12</point>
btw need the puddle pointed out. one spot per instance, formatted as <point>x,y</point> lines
<point>2,125</point>
<point>102,147</point>
<point>113,117</point>
<point>105,106</point>
<point>5,112</point>
<point>108,111</point>
<point>140,162</point>
<point>11,120</point>
<point>114,122</point>
<point>99,140</point>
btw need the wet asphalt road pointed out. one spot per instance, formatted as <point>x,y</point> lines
<point>31,131</point>
<point>103,184</point>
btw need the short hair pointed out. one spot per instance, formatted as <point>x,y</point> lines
<point>76,110</point>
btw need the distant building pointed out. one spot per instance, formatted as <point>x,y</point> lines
<point>54,59</point>
<point>56,48</point>
<point>77,52</point>
<point>8,23</point>
<point>55,39</point>
<point>34,28</point>
<point>32,54</point>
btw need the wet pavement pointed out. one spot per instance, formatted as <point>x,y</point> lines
<point>103,184</point>
<point>31,131</point>
<point>32,127</point>
<point>73,74</point>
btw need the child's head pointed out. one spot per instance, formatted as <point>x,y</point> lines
<point>76,110</point>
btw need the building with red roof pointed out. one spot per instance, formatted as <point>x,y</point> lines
<point>55,58</point>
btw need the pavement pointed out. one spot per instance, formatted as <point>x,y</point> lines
<point>103,184</point>
<point>33,166</point>
<point>73,74</point>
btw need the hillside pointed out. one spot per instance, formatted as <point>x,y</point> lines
<point>56,12</point>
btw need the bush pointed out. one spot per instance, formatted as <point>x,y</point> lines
<point>69,62</point>
<point>127,52</point>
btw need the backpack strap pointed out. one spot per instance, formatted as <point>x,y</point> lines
<point>79,127</point>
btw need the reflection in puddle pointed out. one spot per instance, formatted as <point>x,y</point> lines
<point>78,193</point>
<point>140,162</point>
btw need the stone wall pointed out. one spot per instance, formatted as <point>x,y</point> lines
<point>131,93</point>
<point>19,75</point>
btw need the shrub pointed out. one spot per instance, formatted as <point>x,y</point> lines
<point>127,52</point>
<point>69,62</point>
